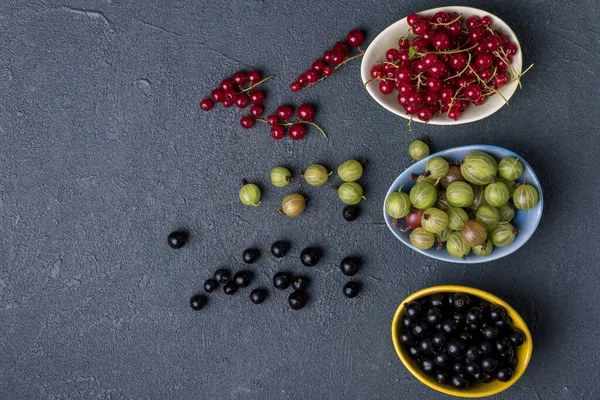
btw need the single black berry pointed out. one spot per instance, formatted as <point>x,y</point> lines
<point>250,255</point>
<point>407,337</point>
<point>280,248</point>
<point>197,302</point>
<point>351,289</point>
<point>242,278</point>
<point>516,337</point>
<point>257,296</point>
<point>297,299</point>
<point>488,364</point>
<point>460,381</point>
<point>413,309</point>
<point>210,285</point>
<point>300,283</point>
<point>351,213</point>
<point>503,374</point>
<point>222,275</point>
<point>282,280</point>
<point>230,288</point>
<point>177,239</point>
<point>350,266</point>
<point>310,256</point>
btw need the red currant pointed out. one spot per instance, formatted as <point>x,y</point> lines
<point>476,34</point>
<point>257,110</point>
<point>337,57</point>
<point>242,100</point>
<point>206,104</point>
<point>428,36</point>
<point>458,61</point>
<point>254,76</point>
<point>462,82</point>
<point>284,112</point>
<point>257,96</point>
<point>327,56</point>
<point>500,62</point>
<point>230,94</point>
<point>430,98</point>
<point>420,66</point>
<point>438,69</point>
<point>434,84</point>
<point>472,92</point>
<point>247,122</point>
<point>305,112</point>
<point>377,71</point>
<point>227,84</point>
<point>486,20</point>
<point>218,95</point>
<point>404,87</point>
<point>455,28</point>
<point>403,57</point>
<point>227,103</point>
<point>277,132</point>
<point>485,74</point>
<point>479,101</point>
<point>420,27</point>
<point>392,55</point>
<point>311,76</point>
<point>420,44</point>
<point>355,38</point>
<point>272,119</point>
<point>430,58</point>
<point>403,74</point>
<point>454,114</point>
<point>415,98</point>
<point>297,131</point>
<point>446,93</point>
<point>240,78</point>
<point>402,99</point>
<point>404,43</point>
<point>441,42</point>
<point>440,17</point>
<point>510,49</point>
<point>491,43</point>
<point>424,113</point>
<point>483,60</point>
<point>386,87</point>
<point>410,109</point>
<point>472,22</point>
<point>411,19</point>
<point>501,79</point>
<point>328,70</point>
<point>302,80</point>
<point>318,66</point>
<point>343,47</point>
<point>295,86</point>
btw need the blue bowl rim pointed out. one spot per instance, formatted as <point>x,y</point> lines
<point>471,260</point>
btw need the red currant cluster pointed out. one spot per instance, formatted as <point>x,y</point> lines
<point>443,66</point>
<point>332,60</point>
<point>239,90</point>
<point>305,114</point>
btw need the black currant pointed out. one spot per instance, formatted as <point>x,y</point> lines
<point>300,283</point>
<point>504,374</point>
<point>351,289</point>
<point>280,248</point>
<point>210,285</point>
<point>488,364</point>
<point>197,302</point>
<point>243,278</point>
<point>297,299</point>
<point>455,348</point>
<point>177,239</point>
<point>310,256</point>
<point>350,266</point>
<point>351,213</point>
<point>257,296</point>
<point>282,280</point>
<point>460,381</point>
<point>413,309</point>
<point>222,275</point>
<point>230,288</point>
<point>250,255</point>
<point>516,337</point>
<point>407,338</point>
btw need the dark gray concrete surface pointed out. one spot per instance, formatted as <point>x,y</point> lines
<point>103,151</point>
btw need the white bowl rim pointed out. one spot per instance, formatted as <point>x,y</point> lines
<point>471,260</point>
<point>508,90</point>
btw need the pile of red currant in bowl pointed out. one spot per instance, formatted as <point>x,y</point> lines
<point>446,63</point>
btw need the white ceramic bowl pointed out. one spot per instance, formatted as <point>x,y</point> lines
<point>388,38</point>
<point>526,222</point>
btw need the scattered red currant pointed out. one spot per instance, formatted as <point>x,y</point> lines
<point>247,122</point>
<point>297,131</point>
<point>206,104</point>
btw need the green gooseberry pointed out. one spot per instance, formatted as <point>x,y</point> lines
<point>350,193</point>
<point>509,184</point>
<point>460,194</point>
<point>350,171</point>
<point>281,176</point>
<point>488,216</point>
<point>436,167</point>
<point>443,235</point>
<point>478,167</point>
<point>418,150</point>
<point>422,239</point>
<point>473,233</point>
<point>510,168</point>
<point>507,213</point>
<point>456,246</point>
<point>478,197</point>
<point>397,204</point>
<point>504,234</point>
<point>293,205</point>
<point>525,197</point>
<point>456,218</point>
<point>496,194</point>
<point>483,250</point>
<point>316,175</point>
<point>250,194</point>
<point>423,195</point>
<point>434,220</point>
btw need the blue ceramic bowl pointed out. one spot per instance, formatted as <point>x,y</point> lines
<point>526,222</point>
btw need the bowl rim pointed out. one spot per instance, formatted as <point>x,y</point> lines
<point>365,69</point>
<point>472,260</point>
<point>492,298</point>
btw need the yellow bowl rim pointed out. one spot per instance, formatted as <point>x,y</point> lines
<point>483,295</point>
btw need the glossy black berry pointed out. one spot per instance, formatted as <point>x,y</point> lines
<point>504,374</point>
<point>502,325</point>
<point>472,368</point>
<point>438,300</point>
<point>222,275</point>
<point>282,280</point>
<point>300,283</point>
<point>230,288</point>
<point>438,339</point>
<point>516,337</point>
<point>433,316</point>
<point>503,345</point>
<point>498,313</point>
<point>473,353</point>
<point>280,248</point>
<point>460,381</point>
<point>461,301</point>
<point>489,332</point>
<point>448,327</point>
<point>442,378</point>
<point>407,338</point>
<point>456,348</point>
<point>413,309</point>
<point>459,318</point>
<point>351,289</point>
<point>197,302</point>
<point>488,364</point>
<point>442,360</point>
<point>407,322</point>
<point>242,278</point>
<point>426,346</point>
<point>351,213</point>
<point>257,296</point>
<point>427,364</point>
<point>486,346</point>
<point>210,285</point>
<point>310,256</point>
<point>297,299</point>
<point>350,266</point>
<point>459,368</point>
<point>414,352</point>
<point>419,329</point>
<point>177,239</point>
<point>250,255</point>
<point>474,317</point>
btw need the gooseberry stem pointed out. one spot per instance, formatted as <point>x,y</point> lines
<point>354,57</point>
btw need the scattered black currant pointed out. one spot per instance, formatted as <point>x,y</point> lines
<point>257,296</point>
<point>242,278</point>
<point>210,285</point>
<point>297,299</point>
<point>177,239</point>
<point>310,256</point>
<point>250,256</point>
<point>280,248</point>
<point>222,275</point>
<point>230,288</point>
<point>351,289</point>
<point>350,266</point>
<point>300,283</point>
<point>351,213</point>
<point>282,280</point>
<point>197,302</point>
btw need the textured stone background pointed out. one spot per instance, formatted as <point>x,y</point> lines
<point>103,151</point>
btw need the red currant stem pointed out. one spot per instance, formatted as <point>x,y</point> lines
<point>391,63</point>
<point>493,75</point>
<point>504,58</point>
<point>408,32</point>
<point>452,101</point>
<point>463,70</point>
<point>523,73</point>
<point>451,22</point>
<point>448,51</point>
<point>296,122</point>
<point>488,87</point>
<point>360,54</point>
<point>257,83</point>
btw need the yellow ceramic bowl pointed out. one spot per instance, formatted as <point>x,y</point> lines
<point>523,353</point>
